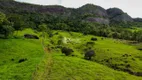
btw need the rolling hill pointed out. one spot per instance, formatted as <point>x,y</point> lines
<point>53,42</point>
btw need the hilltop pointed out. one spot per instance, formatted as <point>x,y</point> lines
<point>88,12</point>
<point>87,19</point>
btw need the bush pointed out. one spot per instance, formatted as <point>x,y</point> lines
<point>56,33</point>
<point>6,30</point>
<point>60,42</point>
<point>2,17</point>
<point>94,39</point>
<point>51,35</point>
<point>89,54</point>
<point>66,51</point>
<point>58,46</point>
<point>30,36</point>
<point>22,60</point>
<point>90,44</point>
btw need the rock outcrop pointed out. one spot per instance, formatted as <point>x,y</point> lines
<point>97,11</point>
<point>98,20</point>
<point>137,19</point>
<point>93,13</point>
<point>122,18</point>
<point>88,12</point>
<point>116,14</point>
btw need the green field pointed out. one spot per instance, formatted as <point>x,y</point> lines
<point>73,68</point>
<point>114,60</point>
<point>11,51</point>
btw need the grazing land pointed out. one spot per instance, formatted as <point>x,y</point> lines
<point>114,59</point>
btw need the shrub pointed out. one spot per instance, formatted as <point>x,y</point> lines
<point>90,44</point>
<point>140,49</point>
<point>6,30</point>
<point>51,41</point>
<point>128,65</point>
<point>60,42</point>
<point>22,60</point>
<point>58,46</point>
<point>30,36</point>
<point>56,33</point>
<point>2,17</point>
<point>89,54</point>
<point>51,35</point>
<point>94,39</point>
<point>12,59</point>
<point>66,51</point>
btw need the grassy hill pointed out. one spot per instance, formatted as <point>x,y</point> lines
<point>117,54</point>
<point>33,39</point>
<point>110,63</point>
<point>19,58</point>
<point>73,68</point>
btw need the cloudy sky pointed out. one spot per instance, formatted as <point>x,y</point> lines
<point>132,7</point>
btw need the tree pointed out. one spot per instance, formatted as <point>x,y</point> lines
<point>62,26</point>
<point>18,23</point>
<point>42,27</point>
<point>2,17</point>
<point>6,30</point>
<point>139,36</point>
<point>66,51</point>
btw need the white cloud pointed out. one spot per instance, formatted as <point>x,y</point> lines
<point>132,7</point>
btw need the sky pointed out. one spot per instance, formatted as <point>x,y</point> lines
<point>132,7</point>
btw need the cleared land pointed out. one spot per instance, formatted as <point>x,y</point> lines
<point>114,60</point>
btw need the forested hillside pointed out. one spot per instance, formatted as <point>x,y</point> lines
<point>88,19</point>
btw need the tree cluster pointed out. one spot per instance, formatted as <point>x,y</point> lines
<point>47,22</point>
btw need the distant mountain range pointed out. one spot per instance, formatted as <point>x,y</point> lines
<point>88,12</point>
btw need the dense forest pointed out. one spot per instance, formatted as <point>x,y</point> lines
<point>88,19</point>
